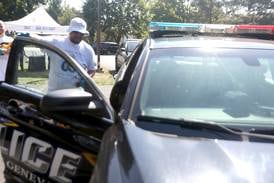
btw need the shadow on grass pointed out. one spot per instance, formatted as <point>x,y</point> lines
<point>113,72</point>
<point>28,74</point>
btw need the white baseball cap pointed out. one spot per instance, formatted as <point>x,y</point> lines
<point>78,25</point>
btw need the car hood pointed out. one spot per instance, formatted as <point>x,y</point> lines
<point>167,158</point>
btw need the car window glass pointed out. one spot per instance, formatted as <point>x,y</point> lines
<point>42,70</point>
<point>132,62</point>
<point>123,45</point>
<point>131,45</point>
<point>224,85</point>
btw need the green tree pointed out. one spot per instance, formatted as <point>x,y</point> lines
<point>207,11</point>
<point>250,11</point>
<point>118,18</point>
<point>170,10</point>
<point>11,10</point>
<point>204,11</point>
<point>125,18</point>
<point>54,8</point>
<point>67,14</point>
<point>90,15</point>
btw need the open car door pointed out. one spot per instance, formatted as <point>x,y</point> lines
<point>52,115</point>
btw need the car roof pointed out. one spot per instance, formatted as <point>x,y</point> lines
<point>133,40</point>
<point>106,42</point>
<point>210,41</point>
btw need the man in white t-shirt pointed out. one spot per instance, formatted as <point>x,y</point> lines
<point>4,52</point>
<point>61,75</point>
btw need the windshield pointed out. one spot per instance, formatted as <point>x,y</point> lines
<point>222,85</point>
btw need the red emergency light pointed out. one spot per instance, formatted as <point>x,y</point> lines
<point>253,29</point>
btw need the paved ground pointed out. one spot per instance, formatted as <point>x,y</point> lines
<point>106,89</point>
<point>2,179</point>
<point>108,62</point>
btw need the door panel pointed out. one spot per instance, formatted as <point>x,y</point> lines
<point>32,152</point>
<point>8,92</point>
<point>43,146</point>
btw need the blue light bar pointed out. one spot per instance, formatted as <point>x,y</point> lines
<point>158,26</point>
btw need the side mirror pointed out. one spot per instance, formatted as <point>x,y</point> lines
<point>123,49</point>
<point>75,99</point>
<point>117,95</point>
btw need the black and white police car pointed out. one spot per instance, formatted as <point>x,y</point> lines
<point>194,103</point>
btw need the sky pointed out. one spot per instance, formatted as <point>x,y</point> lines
<point>77,4</point>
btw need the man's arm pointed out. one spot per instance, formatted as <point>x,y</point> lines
<point>92,62</point>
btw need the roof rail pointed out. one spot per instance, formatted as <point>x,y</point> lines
<point>170,33</point>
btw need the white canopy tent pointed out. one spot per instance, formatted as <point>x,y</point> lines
<point>38,21</point>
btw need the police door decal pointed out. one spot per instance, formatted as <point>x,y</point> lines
<point>37,156</point>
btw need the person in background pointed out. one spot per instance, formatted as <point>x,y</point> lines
<point>77,48</point>
<point>5,43</point>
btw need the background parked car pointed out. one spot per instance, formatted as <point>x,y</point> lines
<point>125,49</point>
<point>107,48</point>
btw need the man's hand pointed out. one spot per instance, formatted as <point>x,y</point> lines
<point>5,48</point>
<point>91,72</point>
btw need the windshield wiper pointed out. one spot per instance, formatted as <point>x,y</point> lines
<point>202,124</point>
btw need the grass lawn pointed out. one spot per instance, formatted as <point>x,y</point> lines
<point>103,78</point>
<point>38,80</point>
